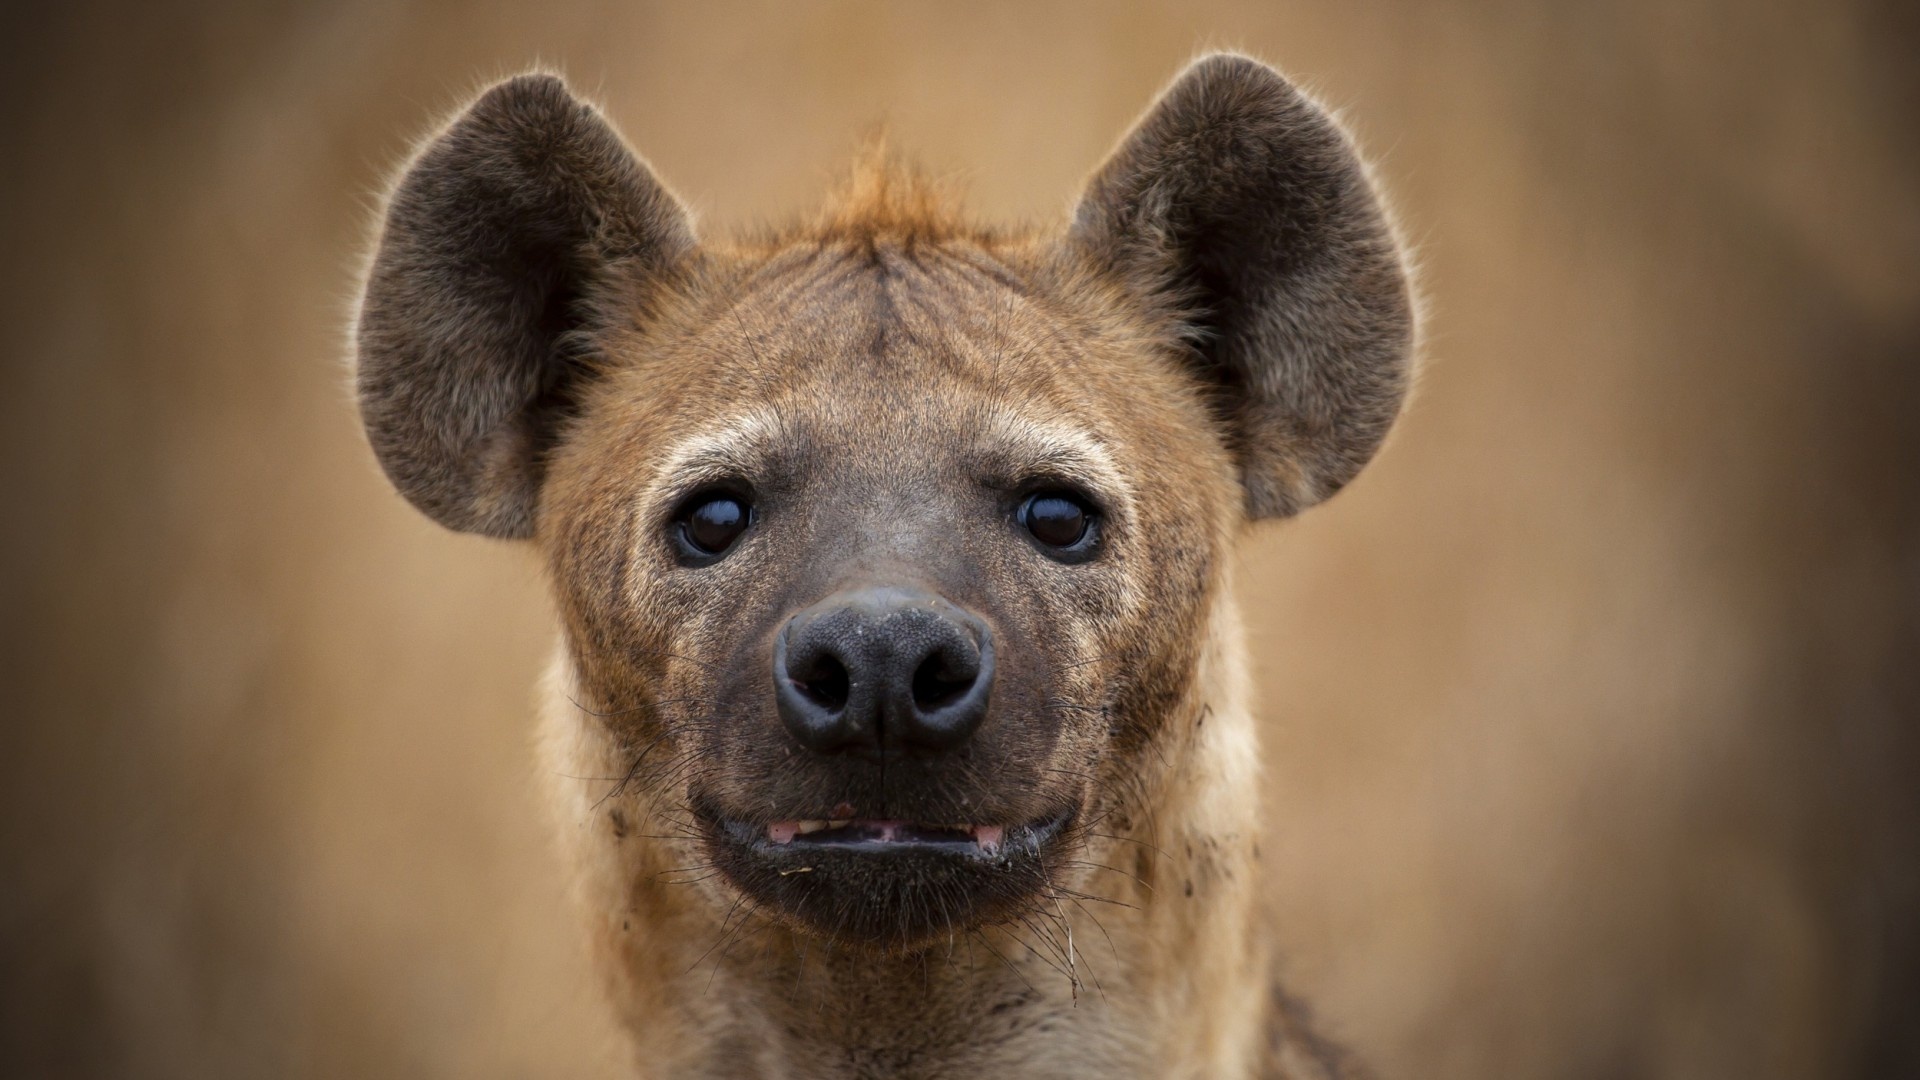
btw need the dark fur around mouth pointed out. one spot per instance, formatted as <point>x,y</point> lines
<point>891,895</point>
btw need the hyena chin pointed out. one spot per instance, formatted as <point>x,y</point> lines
<point>899,726</point>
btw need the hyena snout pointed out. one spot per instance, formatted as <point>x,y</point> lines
<point>880,671</point>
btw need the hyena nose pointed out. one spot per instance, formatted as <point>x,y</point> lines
<point>883,670</point>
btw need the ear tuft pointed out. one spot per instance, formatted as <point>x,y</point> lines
<point>1240,205</point>
<point>494,239</point>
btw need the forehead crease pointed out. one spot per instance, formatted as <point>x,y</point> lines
<point>812,333</point>
<point>946,292</point>
<point>785,280</point>
<point>886,342</point>
<point>836,294</point>
<point>810,288</point>
<point>988,322</point>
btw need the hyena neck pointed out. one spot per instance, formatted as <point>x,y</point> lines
<point>1151,964</point>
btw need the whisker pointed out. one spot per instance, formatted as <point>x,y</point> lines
<point>1129,840</point>
<point>1072,894</point>
<point>723,934</point>
<point>1113,869</point>
<point>1111,947</point>
<point>655,704</point>
<point>981,934</point>
<point>692,881</point>
<point>1043,957</point>
<point>676,656</point>
<point>686,869</point>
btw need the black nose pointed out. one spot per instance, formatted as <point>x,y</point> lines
<point>882,670</point>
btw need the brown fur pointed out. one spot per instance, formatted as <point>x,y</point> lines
<point>1222,335</point>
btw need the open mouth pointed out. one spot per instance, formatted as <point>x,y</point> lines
<point>886,883</point>
<point>880,834</point>
<point>884,837</point>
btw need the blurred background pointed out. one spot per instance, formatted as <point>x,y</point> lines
<point>1594,706</point>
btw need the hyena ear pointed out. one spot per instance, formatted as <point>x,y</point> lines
<point>1240,206</point>
<point>494,239</point>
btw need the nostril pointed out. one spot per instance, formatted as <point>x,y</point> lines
<point>825,682</point>
<point>880,671</point>
<point>939,681</point>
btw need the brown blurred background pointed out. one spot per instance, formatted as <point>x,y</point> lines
<point>1594,706</point>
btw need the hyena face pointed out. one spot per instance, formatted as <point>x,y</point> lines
<point>886,547</point>
<point>895,539</point>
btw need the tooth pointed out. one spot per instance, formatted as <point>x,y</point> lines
<point>839,822</point>
<point>812,825</point>
<point>781,832</point>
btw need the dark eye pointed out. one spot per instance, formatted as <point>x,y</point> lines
<point>711,523</point>
<point>1057,519</point>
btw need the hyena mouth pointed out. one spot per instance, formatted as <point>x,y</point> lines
<point>882,835</point>
<point>884,838</point>
<point>888,884</point>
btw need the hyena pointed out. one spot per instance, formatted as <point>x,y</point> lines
<point>900,725</point>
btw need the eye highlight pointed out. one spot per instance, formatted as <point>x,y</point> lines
<point>709,523</point>
<point>1061,523</point>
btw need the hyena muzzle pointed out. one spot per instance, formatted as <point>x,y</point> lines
<point>899,726</point>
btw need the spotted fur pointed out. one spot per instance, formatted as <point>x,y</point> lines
<point>1220,334</point>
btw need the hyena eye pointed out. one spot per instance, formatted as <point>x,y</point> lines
<point>709,523</point>
<point>1061,522</point>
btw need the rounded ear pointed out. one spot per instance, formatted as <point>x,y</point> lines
<point>1241,206</point>
<point>493,239</point>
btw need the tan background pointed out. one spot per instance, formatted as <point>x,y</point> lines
<point>1595,710</point>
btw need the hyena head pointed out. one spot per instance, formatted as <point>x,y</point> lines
<point>887,546</point>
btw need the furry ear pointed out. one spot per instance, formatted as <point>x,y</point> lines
<point>494,238</point>
<point>1241,207</point>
